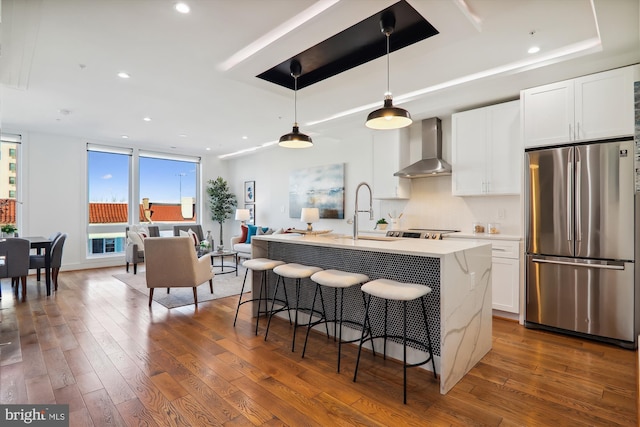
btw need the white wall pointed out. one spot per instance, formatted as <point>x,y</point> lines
<point>270,169</point>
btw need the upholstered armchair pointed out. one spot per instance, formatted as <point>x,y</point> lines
<point>134,251</point>
<point>171,262</point>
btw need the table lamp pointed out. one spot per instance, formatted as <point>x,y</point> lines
<point>310,215</point>
<point>243,215</point>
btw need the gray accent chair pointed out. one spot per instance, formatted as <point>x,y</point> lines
<point>14,262</point>
<point>196,228</point>
<point>171,262</point>
<point>133,254</point>
<point>37,261</point>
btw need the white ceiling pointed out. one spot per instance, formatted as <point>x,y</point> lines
<point>62,55</point>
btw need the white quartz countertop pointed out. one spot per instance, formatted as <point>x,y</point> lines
<point>428,248</point>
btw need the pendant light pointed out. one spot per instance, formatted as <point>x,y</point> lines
<point>388,117</point>
<point>295,139</point>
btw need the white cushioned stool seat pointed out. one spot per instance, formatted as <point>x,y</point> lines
<point>338,279</point>
<point>295,271</point>
<point>261,264</point>
<point>393,290</point>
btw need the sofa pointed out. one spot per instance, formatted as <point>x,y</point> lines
<point>242,243</point>
<point>196,228</point>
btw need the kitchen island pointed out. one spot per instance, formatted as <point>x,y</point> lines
<point>458,272</point>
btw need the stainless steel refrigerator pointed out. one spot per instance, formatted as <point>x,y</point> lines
<point>581,233</point>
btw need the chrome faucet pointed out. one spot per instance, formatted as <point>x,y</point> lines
<point>355,215</point>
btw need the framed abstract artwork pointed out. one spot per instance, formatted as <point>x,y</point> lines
<point>252,214</point>
<point>249,191</point>
<point>319,187</point>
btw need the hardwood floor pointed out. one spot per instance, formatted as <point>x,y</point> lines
<point>97,346</point>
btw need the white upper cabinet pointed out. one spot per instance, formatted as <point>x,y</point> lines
<point>592,107</point>
<point>487,150</point>
<point>390,154</point>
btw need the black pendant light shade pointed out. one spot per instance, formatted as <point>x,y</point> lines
<point>295,139</point>
<point>388,117</point>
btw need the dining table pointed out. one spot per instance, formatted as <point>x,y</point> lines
<point>40,243</point>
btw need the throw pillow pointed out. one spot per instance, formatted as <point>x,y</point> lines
<point>252,230</point>
<point>279,231</point>
<point>264,231</point>
<point>137,238</point>
<point>191,234</point>
<point>243,233</point>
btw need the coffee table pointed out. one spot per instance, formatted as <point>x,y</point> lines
<point>220,268</point>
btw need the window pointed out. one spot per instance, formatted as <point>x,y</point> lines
<point>9,162</point>
<point>167,189</point>
<point>109,188</point>
<point>127,186</point>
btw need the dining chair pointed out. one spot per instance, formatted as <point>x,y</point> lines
<point>14,262</point>
<point>37,261</point>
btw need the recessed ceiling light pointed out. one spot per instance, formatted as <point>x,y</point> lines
<point>245,137</point>
<point>182,7</point>
<point>123,75</point>
<point>182,135</point>
<point>208,149</point>
<point>125,136</point>
<point>147,119</point>
<point>534,49</point>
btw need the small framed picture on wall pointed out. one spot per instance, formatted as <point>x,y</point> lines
<point>249,191</point>
<point>252,214</point>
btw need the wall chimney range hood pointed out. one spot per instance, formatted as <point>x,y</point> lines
<point>432,163</point>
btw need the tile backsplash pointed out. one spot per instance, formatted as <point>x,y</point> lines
<point>432,205</point>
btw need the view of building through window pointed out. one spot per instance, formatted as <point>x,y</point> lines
<point>8,181</point>
<point>165,193</point>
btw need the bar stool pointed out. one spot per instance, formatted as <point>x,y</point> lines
<point>264,265</point>
<point>298,272</point>
<point>391,290</point>
<point>335,279</point>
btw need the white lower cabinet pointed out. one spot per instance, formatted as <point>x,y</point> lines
<point>506,275</point>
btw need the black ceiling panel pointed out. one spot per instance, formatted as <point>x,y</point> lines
<point>354,46</point>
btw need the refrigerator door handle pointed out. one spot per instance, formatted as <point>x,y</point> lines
<point>617,266</point>
<point>569,197</point>
<point>578,208</point>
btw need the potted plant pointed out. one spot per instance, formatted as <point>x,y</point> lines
<point>8,230</point>
<point>221,203</point>
<point>381,224</point>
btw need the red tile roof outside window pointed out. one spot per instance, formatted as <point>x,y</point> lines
<point>7,211</point>
<point>113,213</point>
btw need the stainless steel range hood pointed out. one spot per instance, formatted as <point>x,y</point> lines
<point>431,163</point>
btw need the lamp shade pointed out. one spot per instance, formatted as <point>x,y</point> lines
<point>388,117</point>
<point>310,215</point>
<point>295,139</point>
<point>243,215</point>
